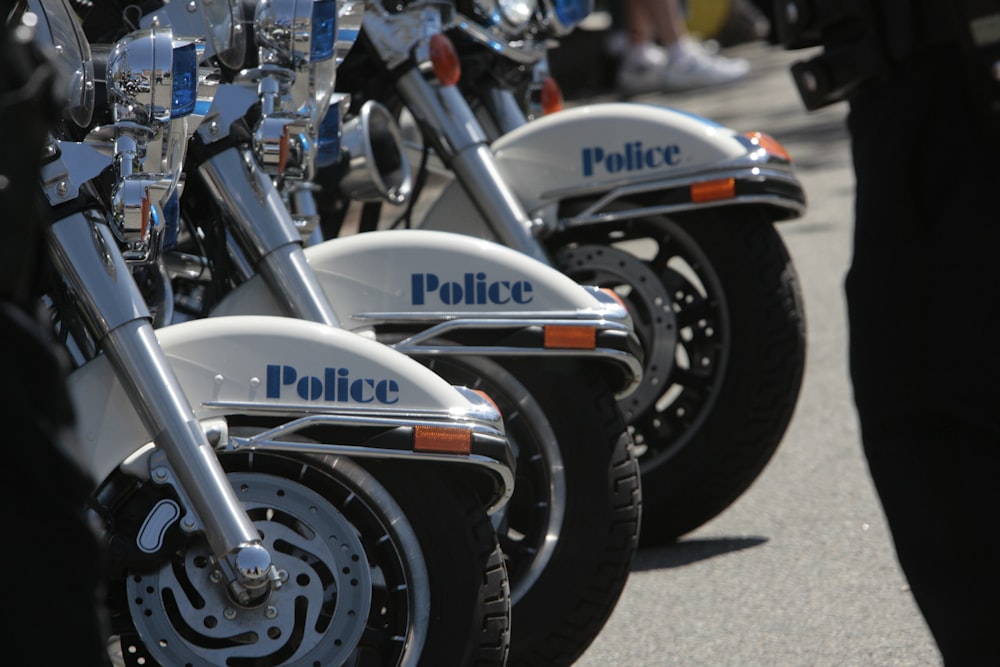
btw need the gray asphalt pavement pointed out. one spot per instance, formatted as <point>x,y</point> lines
<point>799,571</point>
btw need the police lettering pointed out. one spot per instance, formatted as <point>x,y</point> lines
<point>633,157</point>
<point>336,386</point>
<point>474,289</point>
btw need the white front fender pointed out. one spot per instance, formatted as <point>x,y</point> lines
<point>368,277</point>
<point>601,145</point>
<point>596,148</point>
<point>261,365</point>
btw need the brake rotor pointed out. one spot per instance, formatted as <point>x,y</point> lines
<point>186,616</point>
<point>648,302</point>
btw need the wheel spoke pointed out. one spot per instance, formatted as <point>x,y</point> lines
<point>664,253</point>
<point>690,315</point>
<point>692,379</point>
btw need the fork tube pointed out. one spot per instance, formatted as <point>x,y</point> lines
<point>503,108</point>
<point>459,140</point>
<point>86,254</point>
<point>263,228</point>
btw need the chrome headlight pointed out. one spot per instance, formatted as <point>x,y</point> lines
<point>562,16</point>
<point>300,35</point>
<point>152,86</point>
<point>517,13</point>
<point>141,78</point>
<point>59,30</point>
<point>219,21</point>
<point>293,32</point>
<point>509,16</point>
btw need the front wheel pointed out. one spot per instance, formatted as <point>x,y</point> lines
<point>570,531</point>
<point>368,578</point>
<point>717,305</point>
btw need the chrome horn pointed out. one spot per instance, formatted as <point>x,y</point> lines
<point>377,166</point>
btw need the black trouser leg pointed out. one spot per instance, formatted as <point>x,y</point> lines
<point>923,295</point>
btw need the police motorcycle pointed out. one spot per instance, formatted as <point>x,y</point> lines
<point>271,491</point>
<point>549,351</point>
<point>674,212</point>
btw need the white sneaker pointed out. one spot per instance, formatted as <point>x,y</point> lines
<point>690,65</point>
<point>641,70</point>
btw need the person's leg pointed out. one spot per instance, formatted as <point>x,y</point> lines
<point>666,19</point>
<point>642,66</point>
<point>59,563</point>
<point>682,62</point>
<point>639,19</point>
<point>689,63</point>
<point>919,283</point>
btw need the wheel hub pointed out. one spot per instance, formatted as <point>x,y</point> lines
<point>186,615</point>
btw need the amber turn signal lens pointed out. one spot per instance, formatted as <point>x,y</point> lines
<point>769,144</point>
<point>723,188</point>
<point>487,398</point>
<point>284,149</point>
<point>568,337</point>
<point>616,296</point>
<point>552,97</point>
<point>444,59</point>
<point>442,440</point>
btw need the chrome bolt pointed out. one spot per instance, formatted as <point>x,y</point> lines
<point>270,612</point>
<point>229,613</point>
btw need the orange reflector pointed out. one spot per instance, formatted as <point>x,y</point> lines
<point>489,399</point>
<point>614,295</point>
<point>442,440</point>
<point>769,144</point>
<point>576,338</point>
<point>146,210</point>
<point>552,97</point>
<point>284,147</point>
<point>724,188</point>
<point>444,59</point>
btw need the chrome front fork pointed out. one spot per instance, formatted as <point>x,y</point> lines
<point>449,121</point>
<point>86,255</point>
<point>505,113</point>
<point>265,233</point>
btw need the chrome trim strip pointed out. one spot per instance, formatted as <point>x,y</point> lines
<point>511,320</point>
<point>270,440</point>
<point>775,200</point>
<point>479,423</point>
<point>416,345</point>
<point>748,172</point>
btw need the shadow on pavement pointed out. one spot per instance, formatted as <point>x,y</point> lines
<point>686,552</point>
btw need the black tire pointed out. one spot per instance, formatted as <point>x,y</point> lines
<point>719,310</point>
<point>471,614</point>
<point>394,586</point>
<point>559,409</point>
